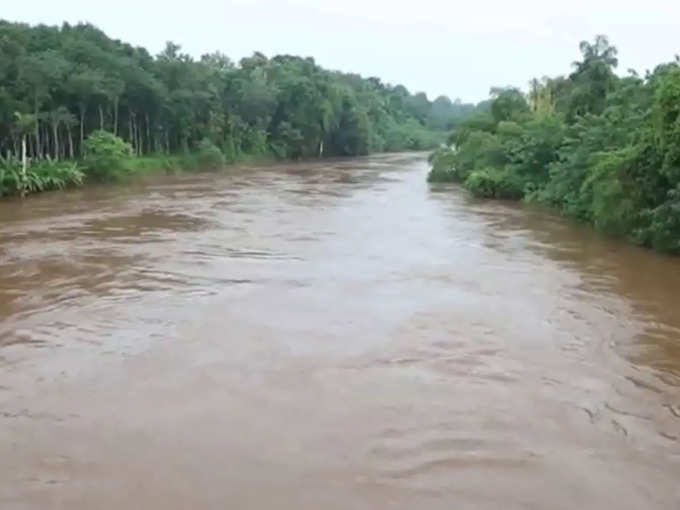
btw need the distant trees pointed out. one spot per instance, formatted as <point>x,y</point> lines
<point>602,148</point>
<point>69,82</point>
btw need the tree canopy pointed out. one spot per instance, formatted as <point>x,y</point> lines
<point>68,82</point>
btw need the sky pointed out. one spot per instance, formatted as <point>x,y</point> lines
<point>460,49</point>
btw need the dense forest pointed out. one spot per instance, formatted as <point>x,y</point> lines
<point>68,93</point>
<point>600,147</point>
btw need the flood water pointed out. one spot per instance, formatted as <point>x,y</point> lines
<point>336,335</point>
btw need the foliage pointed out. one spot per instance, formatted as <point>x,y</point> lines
<point>494,183</point>
<point>442,162</point>
<point>42,177</point>
<point>67,83</point>
<point>209,155</point>
<point>664,224</point>
<point>106,156</point>
<point>483,183</point>
<point>601,148</point>
<point>508,104</point>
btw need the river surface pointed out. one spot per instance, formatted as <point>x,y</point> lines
<point>335,335</point>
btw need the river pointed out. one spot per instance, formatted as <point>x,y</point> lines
<point>336,335</point>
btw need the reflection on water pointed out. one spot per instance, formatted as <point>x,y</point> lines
<point>335,334</point>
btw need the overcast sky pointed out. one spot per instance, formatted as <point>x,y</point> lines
<point>460,49</point>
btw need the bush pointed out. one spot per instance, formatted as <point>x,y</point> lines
<point>107,157</point>
<point>443,169</point>
<point>54,175</point>
<point>48,175</point>
<point>442,175</point>
<point>663,230</point>
<point>10,178</point>
<point>510,185</point>
<point>210,157</point>
<point>603,150</point>
<point>482,183</point>
<point>480,150</point>
<point>493,183</point>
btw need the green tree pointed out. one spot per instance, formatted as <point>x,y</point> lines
<point>593,77</point>
<point>74,77</point>
<point>507,104</point>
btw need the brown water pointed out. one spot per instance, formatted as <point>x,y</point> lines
<point>330,335</point>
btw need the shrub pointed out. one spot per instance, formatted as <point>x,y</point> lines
<point>54,175</point>
<point>511,185</point>
<point>48,175</point>
<point>107,157</point>
<point>443,169</point>
<point>482,183</point>
<point>493,183</point>
<point>210,157</point>
<point>663,230</point>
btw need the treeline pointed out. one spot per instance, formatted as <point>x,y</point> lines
<point>602,148</point>
<point>59,84</point>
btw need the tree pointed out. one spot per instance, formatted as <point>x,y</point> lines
<point>85,84</point>
<point>593,77</point>
<point>507,103</point>
<point>25,123</point>
<point>58,117</point>
<point>284,105</point>
<point>40,72</point>
<point>601,148</point>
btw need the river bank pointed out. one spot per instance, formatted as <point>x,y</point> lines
<point>601,148</point>
<point>60,86</point>
<point>110,159</point>
<point>60,175</point>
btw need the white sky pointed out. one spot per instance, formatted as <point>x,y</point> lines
<point>458,48</point>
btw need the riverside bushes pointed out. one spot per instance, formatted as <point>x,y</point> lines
<point>601,148</point>
<point>42,177</point>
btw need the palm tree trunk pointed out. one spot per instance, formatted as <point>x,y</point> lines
<point>135,134</point>
<point>45,151</point>
<point>55,130</point>
<point>22,191</point>
<point>70,141</point>
<point>138,134</point>
<point>101,118</point>
<point>148,133</point>
<point>29,144</point>
<point>115,116</point>
<point>82,128</point>
<point>37,126</point>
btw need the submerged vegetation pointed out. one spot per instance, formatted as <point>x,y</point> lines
<point>71,93</point>
<point>602,148</point>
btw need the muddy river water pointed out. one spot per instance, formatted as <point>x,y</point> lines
<point>335,335</point>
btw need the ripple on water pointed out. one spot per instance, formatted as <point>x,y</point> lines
<point>434,452</point>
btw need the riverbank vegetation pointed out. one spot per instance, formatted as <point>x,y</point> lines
<point>63,88</point>
<point>600,147</point>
